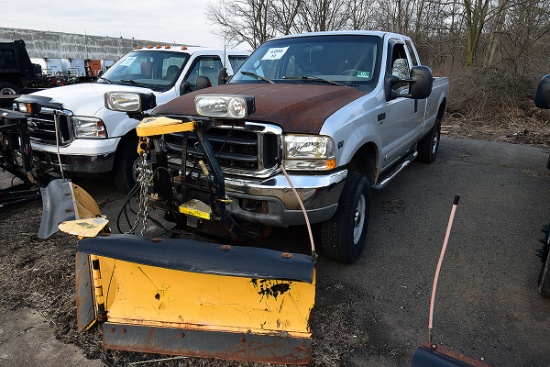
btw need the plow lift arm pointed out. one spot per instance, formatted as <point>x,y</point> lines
<point>182,296</point>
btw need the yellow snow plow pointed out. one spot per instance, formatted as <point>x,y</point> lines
<point>193,298</point>
<point>186,297</point>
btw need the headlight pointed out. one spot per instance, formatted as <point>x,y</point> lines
<point>89,127</point>
<point>129,102</point>
<point>224,106</point>
<point>25,107</point>
<point>309,152</point>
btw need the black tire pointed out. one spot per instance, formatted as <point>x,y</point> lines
<point>429,145</point>
<point>125,160</point>
<point>544,275</point>
<point>8,89</point>
<point>343,236</point>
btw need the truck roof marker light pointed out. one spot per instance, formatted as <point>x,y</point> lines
<point>158,46</point>
<point>184,48</point>
<point>139,47</point>
<point>167,47</point>
<point>149,46</point>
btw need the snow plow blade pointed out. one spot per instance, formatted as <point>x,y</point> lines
<point>193,298</point>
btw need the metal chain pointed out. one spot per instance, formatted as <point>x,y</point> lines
<point>145,179</point>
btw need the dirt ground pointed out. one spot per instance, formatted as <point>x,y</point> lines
<point>39,274</point>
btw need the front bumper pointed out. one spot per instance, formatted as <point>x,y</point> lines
<point>272,201</point>
<point>82,158</point>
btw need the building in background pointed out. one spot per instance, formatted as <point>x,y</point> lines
<point>70,54</point>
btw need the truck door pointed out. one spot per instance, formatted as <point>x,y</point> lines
<point>400,125</point>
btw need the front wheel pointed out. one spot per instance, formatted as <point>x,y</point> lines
<point>429,145</point>
<point>125,162</point>
<point>343,236</point>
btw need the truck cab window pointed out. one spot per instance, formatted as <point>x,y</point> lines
<point>237,61</point>
<point>208,66</point>
<point>400,67</point>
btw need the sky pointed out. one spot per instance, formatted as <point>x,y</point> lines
<point>170,21</point>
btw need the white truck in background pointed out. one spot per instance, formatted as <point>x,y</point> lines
<point>94,141</point>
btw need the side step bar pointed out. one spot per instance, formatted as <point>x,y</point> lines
<point>398,168</point>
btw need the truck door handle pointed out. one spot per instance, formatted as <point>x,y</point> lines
<point>382,116</point>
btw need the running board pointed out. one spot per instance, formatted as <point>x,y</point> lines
<point>398,168</point>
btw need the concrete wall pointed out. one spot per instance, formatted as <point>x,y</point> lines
<point>58,45</point>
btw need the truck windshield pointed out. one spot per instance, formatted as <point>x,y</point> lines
<point>351,60</point>
<point>157,70</point>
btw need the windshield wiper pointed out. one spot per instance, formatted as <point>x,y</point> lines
<point>309,78</point>
<point>107,80</point>
<point>133,82</point>
<point>257,76</point>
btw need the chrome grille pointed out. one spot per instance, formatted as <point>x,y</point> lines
<point>42,127</point>
<point>239,151</point>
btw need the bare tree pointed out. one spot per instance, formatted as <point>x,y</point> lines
<point>243,21</point>
<point>322,15</point>
<point>285,14</point>
<point>524,35</point>
<point>360,14</point>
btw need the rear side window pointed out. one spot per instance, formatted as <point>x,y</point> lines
<point>411,52</point>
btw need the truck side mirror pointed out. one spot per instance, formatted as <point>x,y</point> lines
<point>542,95</point>
<point>203,82</point>
<point>185,87</point>
<point>421,82</point>
<point>222,76</point>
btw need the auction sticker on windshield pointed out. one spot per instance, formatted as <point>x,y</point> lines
<point>128,61</point>
<point>275,53</point>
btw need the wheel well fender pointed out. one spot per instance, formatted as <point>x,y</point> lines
<point>442,109</point>
<point>130,135</point>
<point>365,161</point>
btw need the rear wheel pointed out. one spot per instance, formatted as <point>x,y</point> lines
<point>8,89</point>
<point>429,145</point>
<point>343,236</point>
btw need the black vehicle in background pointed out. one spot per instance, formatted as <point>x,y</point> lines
<point>16,69</point>
<point>542,100</point>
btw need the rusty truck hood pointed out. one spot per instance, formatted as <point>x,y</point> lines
<point>297,108</point>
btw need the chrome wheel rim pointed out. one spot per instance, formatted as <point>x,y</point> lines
<point>359,218</point>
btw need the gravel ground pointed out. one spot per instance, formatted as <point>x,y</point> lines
<point>39,274</point>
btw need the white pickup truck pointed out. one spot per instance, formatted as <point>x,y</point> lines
<point>95,141</point>
<point>342,112</point>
